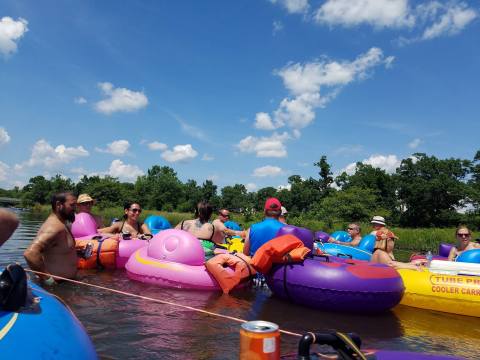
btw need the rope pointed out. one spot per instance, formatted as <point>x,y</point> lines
<point>154,300</point>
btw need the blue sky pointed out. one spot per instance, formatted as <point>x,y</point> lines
<point>234,91</point>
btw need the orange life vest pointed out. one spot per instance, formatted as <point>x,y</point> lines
<point>282,249</point>
<point>103,254</point>
<point>239,263</point>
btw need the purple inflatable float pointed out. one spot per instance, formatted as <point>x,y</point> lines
<point>330,283</point>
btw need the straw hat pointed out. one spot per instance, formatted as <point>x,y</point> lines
<point>83,198</point>
<point>380,220</point>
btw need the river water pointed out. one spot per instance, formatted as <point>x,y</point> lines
<point>123,327</point>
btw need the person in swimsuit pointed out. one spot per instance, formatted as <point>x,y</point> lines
<point>221,230</point>
<point>8,224</point>
<point>53,249</point>
<point>383,252</point>
<point>129,227</point>
<point>202,228</point>
<point>354,231</point>
<point>464,243</point>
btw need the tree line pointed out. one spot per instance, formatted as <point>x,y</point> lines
<point>424,191</point>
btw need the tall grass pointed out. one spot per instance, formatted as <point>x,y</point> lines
<point>420,239</point>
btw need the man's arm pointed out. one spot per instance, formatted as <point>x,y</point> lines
<point>8,224</point>
<point>34,254</point>
<point>246,246</point>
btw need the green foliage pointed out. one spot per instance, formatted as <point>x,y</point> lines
<point>430,190</point>
<point>352,204</point>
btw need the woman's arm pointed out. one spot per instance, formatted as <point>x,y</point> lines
<point>113,229</point>
<point>452,254</point>
<point>145,229</point>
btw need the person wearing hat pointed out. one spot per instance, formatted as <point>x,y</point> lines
<point>283,215</point>
<point>266,230</point>
<point>378,223</point>
<point>383,251</point>
<point>84,205</point>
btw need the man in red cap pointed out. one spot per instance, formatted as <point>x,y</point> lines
<point>266,230</point>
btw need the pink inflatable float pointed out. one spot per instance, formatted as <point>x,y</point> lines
<point>173,258</point>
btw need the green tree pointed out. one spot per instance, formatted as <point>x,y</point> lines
<point>235,197</point>
<point>37,190</point>
<point>326,178</point>
<point>351,204</point>
<point>430,190</point>
<point>262,195</point>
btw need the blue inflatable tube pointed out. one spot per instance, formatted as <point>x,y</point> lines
<point>232,225</point>
<point>46,330</point>
<point>470,256</point>
<point>344,251</point>
<point>342,236</point>
<point>157,223</point>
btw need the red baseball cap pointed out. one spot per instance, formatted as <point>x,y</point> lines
<point>273,204</point>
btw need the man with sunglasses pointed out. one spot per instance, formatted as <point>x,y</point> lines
<point>464,243</point>
<point>354,232</point>
<point>223,231</point>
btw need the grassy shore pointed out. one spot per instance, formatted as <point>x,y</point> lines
<point>419,239</point>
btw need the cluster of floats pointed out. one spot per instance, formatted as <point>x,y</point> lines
<point>315,273</point>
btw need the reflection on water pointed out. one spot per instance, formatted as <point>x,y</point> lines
<point>127,328</point>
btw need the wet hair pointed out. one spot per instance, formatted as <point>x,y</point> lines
<point>460,227</point>
<point>203,211</point>
<point>60,197</point>
<point>126,206</point>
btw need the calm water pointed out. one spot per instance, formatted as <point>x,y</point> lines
<point>122,327</point>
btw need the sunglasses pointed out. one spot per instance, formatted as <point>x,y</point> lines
<point>351,228</point>
<point>225,215</point>
<point>463,235</point>
<point>135,210</point>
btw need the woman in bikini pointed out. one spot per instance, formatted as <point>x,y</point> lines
<point>202,228</point>
<point>383,252</point>
<point>130,226</point>
<point>464,243</point>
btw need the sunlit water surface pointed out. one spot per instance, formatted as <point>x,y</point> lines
<point>124,327</point>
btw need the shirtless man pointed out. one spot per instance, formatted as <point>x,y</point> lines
<point>8,224</point>
<point>354,232</point>
<point>53,249</point>
<point>219,224</point>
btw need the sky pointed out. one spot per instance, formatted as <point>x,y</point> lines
<point>249,92</point>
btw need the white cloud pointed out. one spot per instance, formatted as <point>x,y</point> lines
<point>207,157</point>
<point>44,154</point>
<point>118,147</point>
<point>157,146</point>
<point>4,137</point>
<point>124,171</point>
<point>454,19</point>
<point>414,143</point>
<point>293,6</point>
<point>389,163</point>
<point>191,130</point>
<point>251,187</point>
<point>120,99</point>
<point>182,153</point>
<point>4,170</point>
<point>378,13</point>
<point>11,32</point>
<point>349,149</point>
<point>277,26</point>
<point>267,170</point>
<point>315,84</point>
<point>263,121</point>
<point>272,146</point>
<point>80,100</point>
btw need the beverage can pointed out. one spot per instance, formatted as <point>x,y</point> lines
<point>259,340</point>
<point>88,250</point>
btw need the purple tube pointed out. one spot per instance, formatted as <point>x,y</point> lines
<point>305,235</point>
<point>401,355</point>
<point>322,236</point>
<point>444,249</point>
<point>338,285</point>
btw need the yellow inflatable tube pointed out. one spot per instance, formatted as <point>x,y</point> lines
<point>447,292</point>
